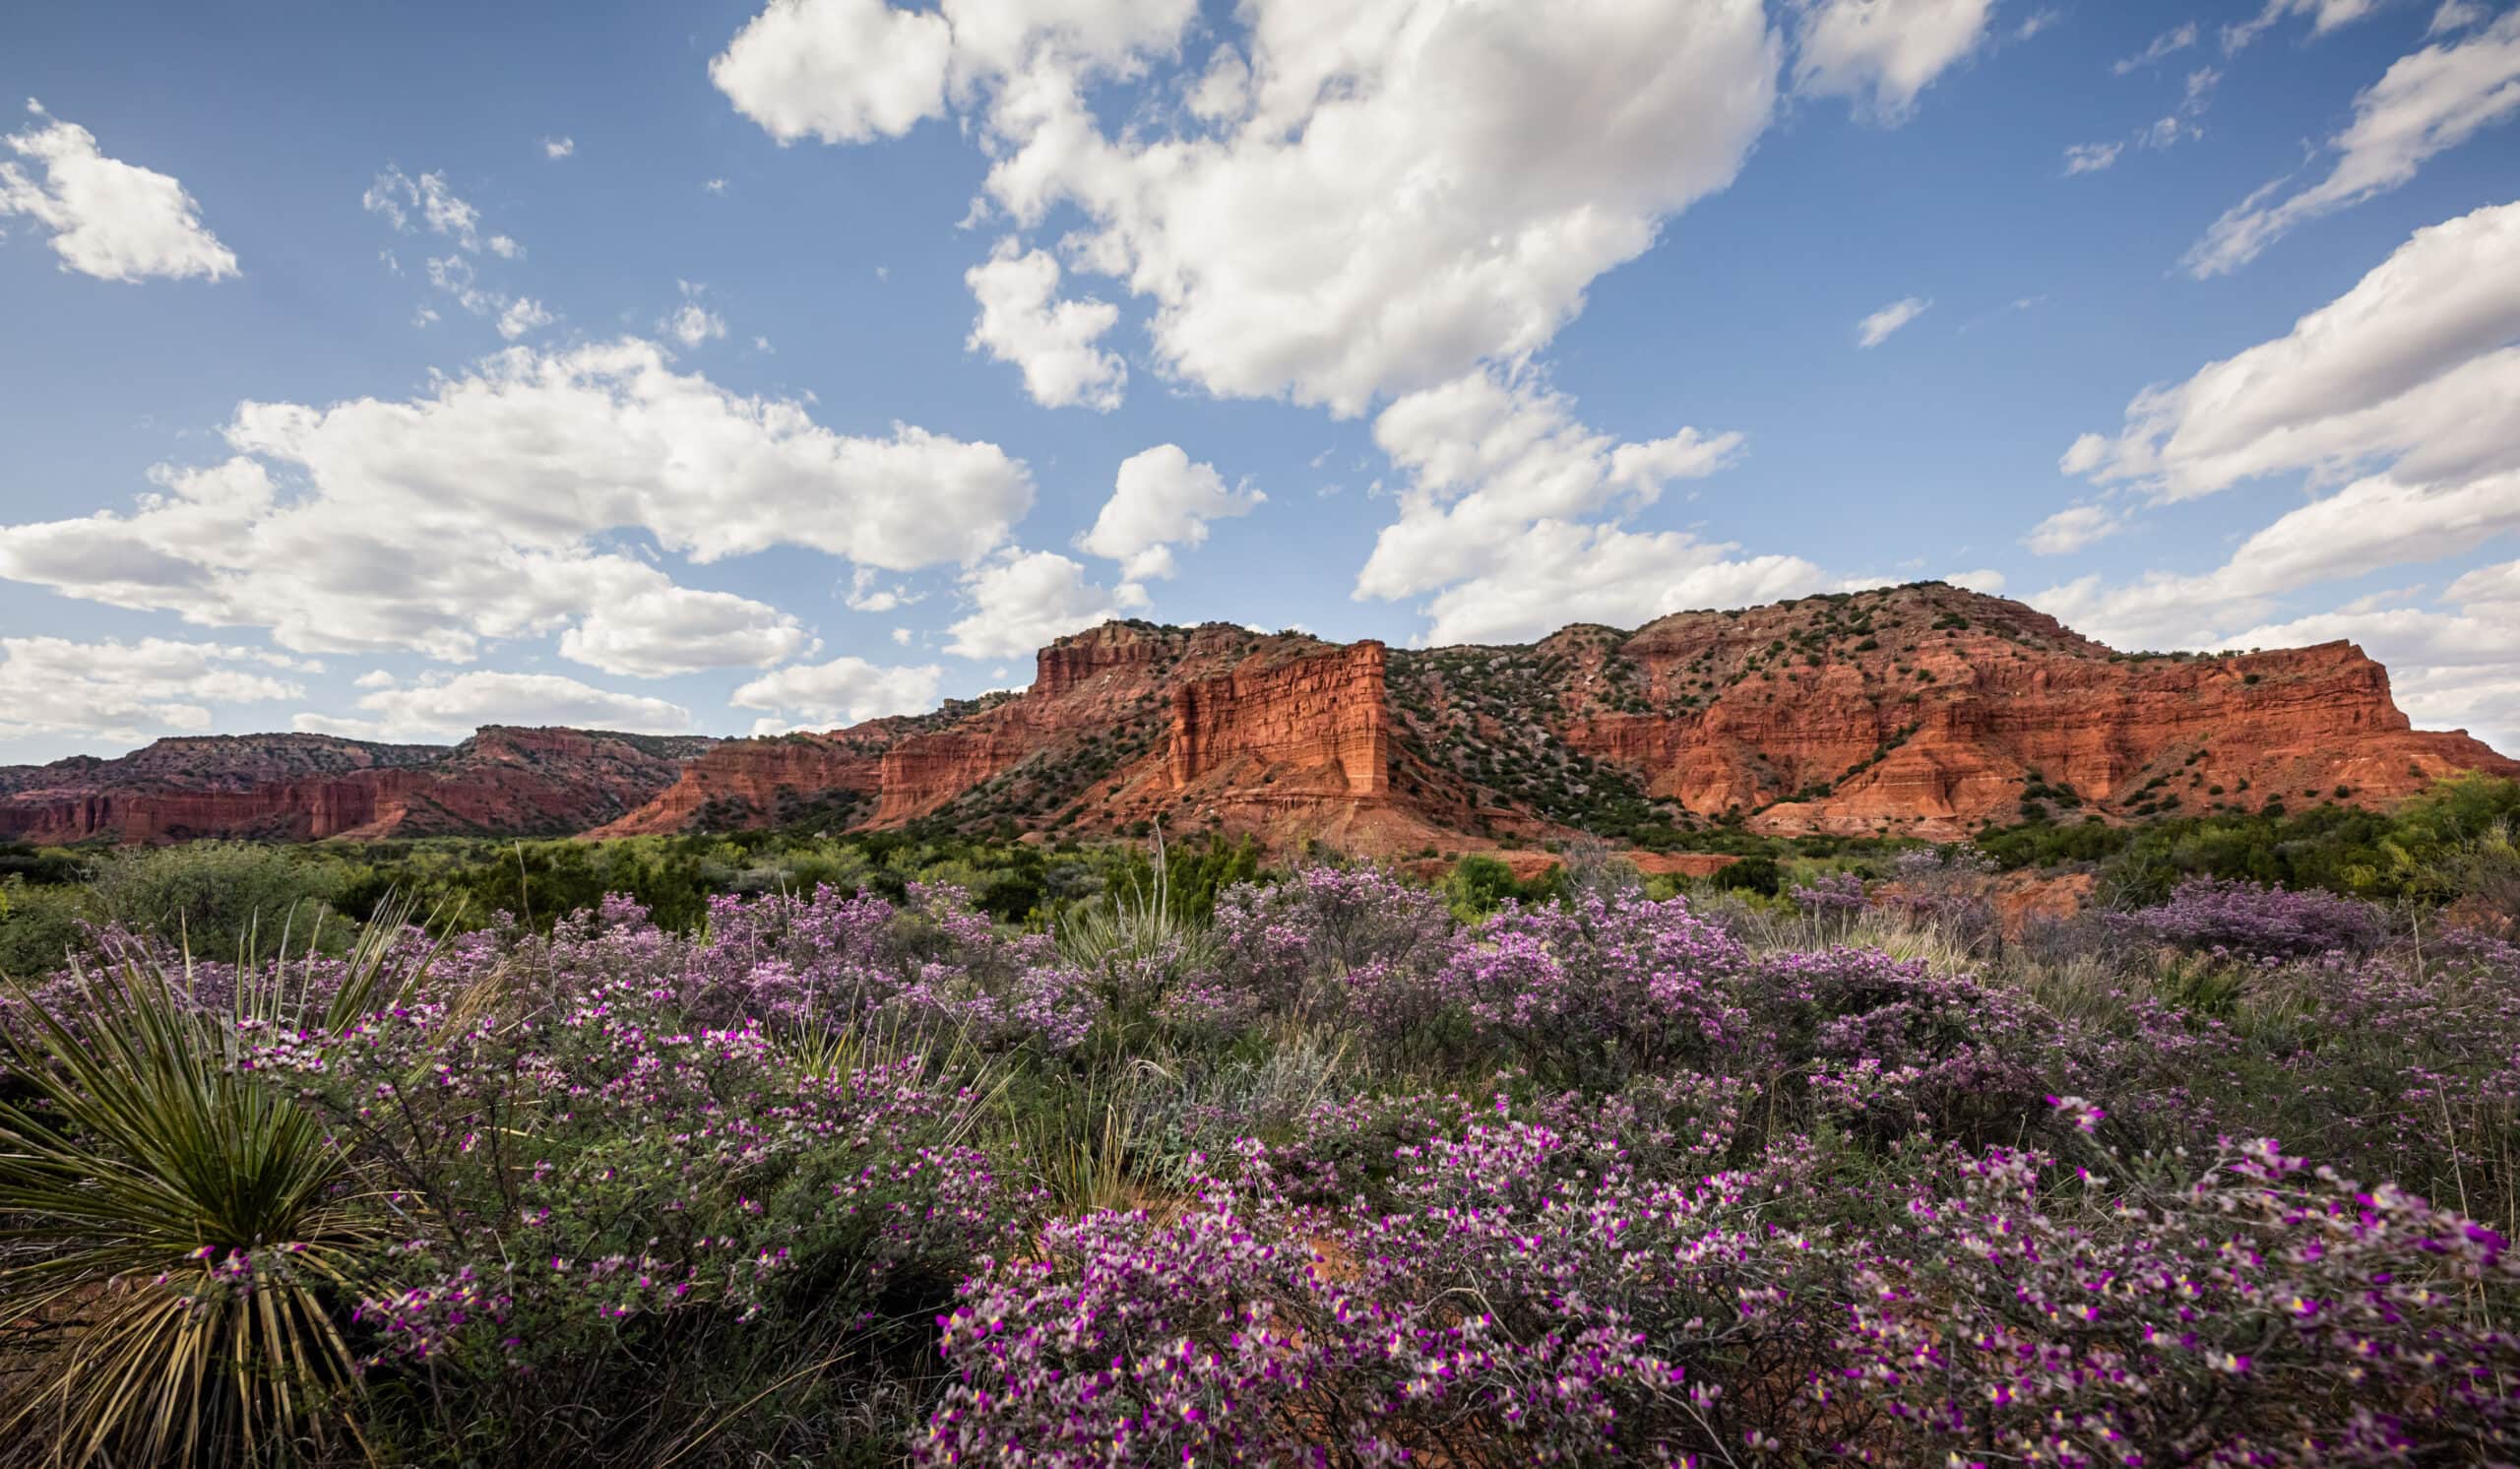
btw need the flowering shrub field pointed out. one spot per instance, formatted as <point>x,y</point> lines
<point>1325,1177</point>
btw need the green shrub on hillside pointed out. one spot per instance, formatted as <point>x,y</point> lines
<point>1479,886</point>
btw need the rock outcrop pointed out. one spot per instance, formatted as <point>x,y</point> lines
<point>1931,711</point>
<point>1318,724</point>
<point>1124,727</point>
<point>217,762</point>
<point>1923,710</point>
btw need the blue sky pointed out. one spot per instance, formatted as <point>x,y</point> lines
<point>391,369</point>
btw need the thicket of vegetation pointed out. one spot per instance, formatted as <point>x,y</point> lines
<point>1209,1163</point>
<point>2457,838</point>
<point>2424,850</point>
<point>216,894</point>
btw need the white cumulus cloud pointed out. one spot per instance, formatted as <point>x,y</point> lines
<point>2415,367</point>
<point>1557,572</point>
<point>1488,457</point>
<point>660,629</point>
<point>1021,600</point>
<point>523,316</point>
<point>128,693</point>
<point>2070,529</point>
<point>1398,190</point>
<point>2395,403</point>
<point>454,706</point>
<point>843,692</point>
<point>844,71</point>
<point>481,512</point>
<point>691,323</point>
<point>1052,341</point>
<point>1161,499</point>
<point>1513,516</point>
<point>108,219</point>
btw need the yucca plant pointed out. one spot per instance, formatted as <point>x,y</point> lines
<point>1087,1143</point>
<point>877,1053</point>
<point>176,1234</point>
<point>1137,943</point>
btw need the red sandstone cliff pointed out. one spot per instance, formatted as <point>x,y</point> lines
<point>1317,725</point>
<point>217,762</point>
<point>1204,727</point>
<point>758,782</point>
<point>1931,710</point>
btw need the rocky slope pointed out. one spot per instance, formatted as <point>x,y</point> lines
<point>503,780</point>
<point>1924,710</point>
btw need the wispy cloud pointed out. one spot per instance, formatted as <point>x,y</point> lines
<point>2091,157</point>
<point>2166,43</point>
<point>1875,329</point>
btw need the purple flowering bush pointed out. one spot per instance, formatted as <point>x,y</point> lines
<point>2260,1312</point>
<point>2250,921</point>
<point>591,1186</point>
<point>1329,940</point>
<point>1590,992</point>
<point>1524,1301</point>
<point>1335,1178</point>
<point>1832,904</point>
<point>1494,1319</point>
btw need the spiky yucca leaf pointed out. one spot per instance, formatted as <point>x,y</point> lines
<point>1138,941</point>
<point>879,1051</point>
<point>1089,1148</point>
<point>176,1231</point>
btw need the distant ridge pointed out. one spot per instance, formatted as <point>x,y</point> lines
<point>1926,710</point>
<point>1923,710</point>
<point>504,780</point>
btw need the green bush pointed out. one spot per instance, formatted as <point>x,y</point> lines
<point>2402,854</point>
<point>1480,885</point>
<point>225,898</point>
<point>40,924</point>
<point>1751,874</point>
<point>145,1148</point>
